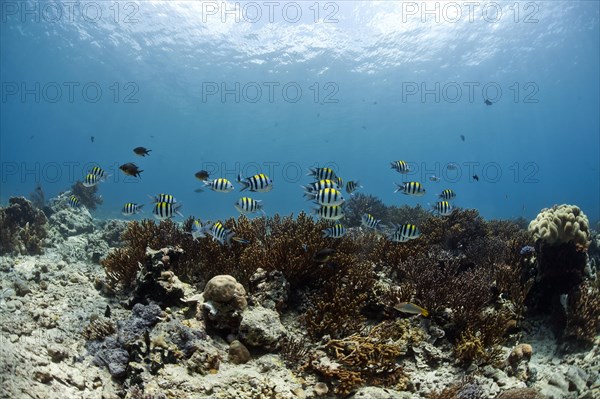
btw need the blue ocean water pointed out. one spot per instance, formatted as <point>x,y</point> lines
<point>279,87</point>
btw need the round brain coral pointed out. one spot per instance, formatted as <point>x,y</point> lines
<point>561,224</point>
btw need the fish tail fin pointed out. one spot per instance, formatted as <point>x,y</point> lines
<point>399,187</point>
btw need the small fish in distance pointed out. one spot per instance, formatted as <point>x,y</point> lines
<point>434,178</point>
<point>411,308</point>
<point>487,102</point>
<point>141,151</point>
<point>475,177</point>
<point>324,255</point>
<point>131,208</point>
<point>462,137</point>
<point>92,139</point>
<point>202,175</point>
<point>130,169</point>
<point>74,202</point>
<point>410,188</point>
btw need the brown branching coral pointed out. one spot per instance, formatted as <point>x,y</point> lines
<point>370,358</point>
<point>22,228</point>
<point>583,317</point>
<point>87,195</point>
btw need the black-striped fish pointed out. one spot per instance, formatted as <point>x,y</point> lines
<point>260,183</point>
<point>322,173</point>
<point>247,205</point>
<point>339,181</point>
<point>91,180</point>
<point>74,202</point>
<point>442,208</point>
<point>321,185</point>
<point>334,212</point>
<point>220,233</point>
<point>165,210</point>
<point>98,171</point>
<point>336,231</point>
<point>404,232</point>
<point>352,186</point>
<point>400,167</point>
<point>220,185</point>
<point>168,198</point>
<point>447,194</point>
<point>411,188</point>
<point>327,196</point>
<point>131,209</point>
<point>370,222</point>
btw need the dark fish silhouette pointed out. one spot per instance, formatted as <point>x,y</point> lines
<point>487,102</point>
<point>107,311</point>
<point>462,137</point>
<point>475,177</point>
<point>130,169</point>
<point>323,255</point>
<point>202,175</point>
<point>141,151</point>
<point>92,138</point>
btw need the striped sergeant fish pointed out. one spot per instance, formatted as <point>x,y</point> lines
<point>322,173</point>
<point>165,210</point>
<point>370,222</point>
<point>447,194</point>
<point>163,198</point>
<point>98,171</point>
<point>91,180</point>
<point>400,167</point>
<point>247,205</point>
<point>321,185</point>
<point>220,233</point>
<point>336,231</point>
<point>411,188</point>
<point>404,232</point>
<point>327,196</point>
<point>339,181</point>
<point>334,212</point>
<point>197,230</point>
<point>442,208</point>
<point>352,186</point>
<point>131,209</point>
<point>74,202</point>
<point>260,183</point>
<point>220,185</point>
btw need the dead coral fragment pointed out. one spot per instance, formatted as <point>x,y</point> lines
<point>98,329</point>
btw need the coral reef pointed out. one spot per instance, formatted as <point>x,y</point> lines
<point>361,203</point>
<point>22,228</point>
<point>88,196</point>
<point>565,287</point>
<point>561,224</point>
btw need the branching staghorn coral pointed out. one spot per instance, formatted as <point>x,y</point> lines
<point>370,358</point>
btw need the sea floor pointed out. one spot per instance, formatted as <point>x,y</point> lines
<point>48,300</point>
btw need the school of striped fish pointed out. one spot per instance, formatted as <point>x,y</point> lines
<point>325,192</point>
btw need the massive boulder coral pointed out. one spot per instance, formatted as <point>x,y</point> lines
<point>561,224</point>
<point>22,227</point>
